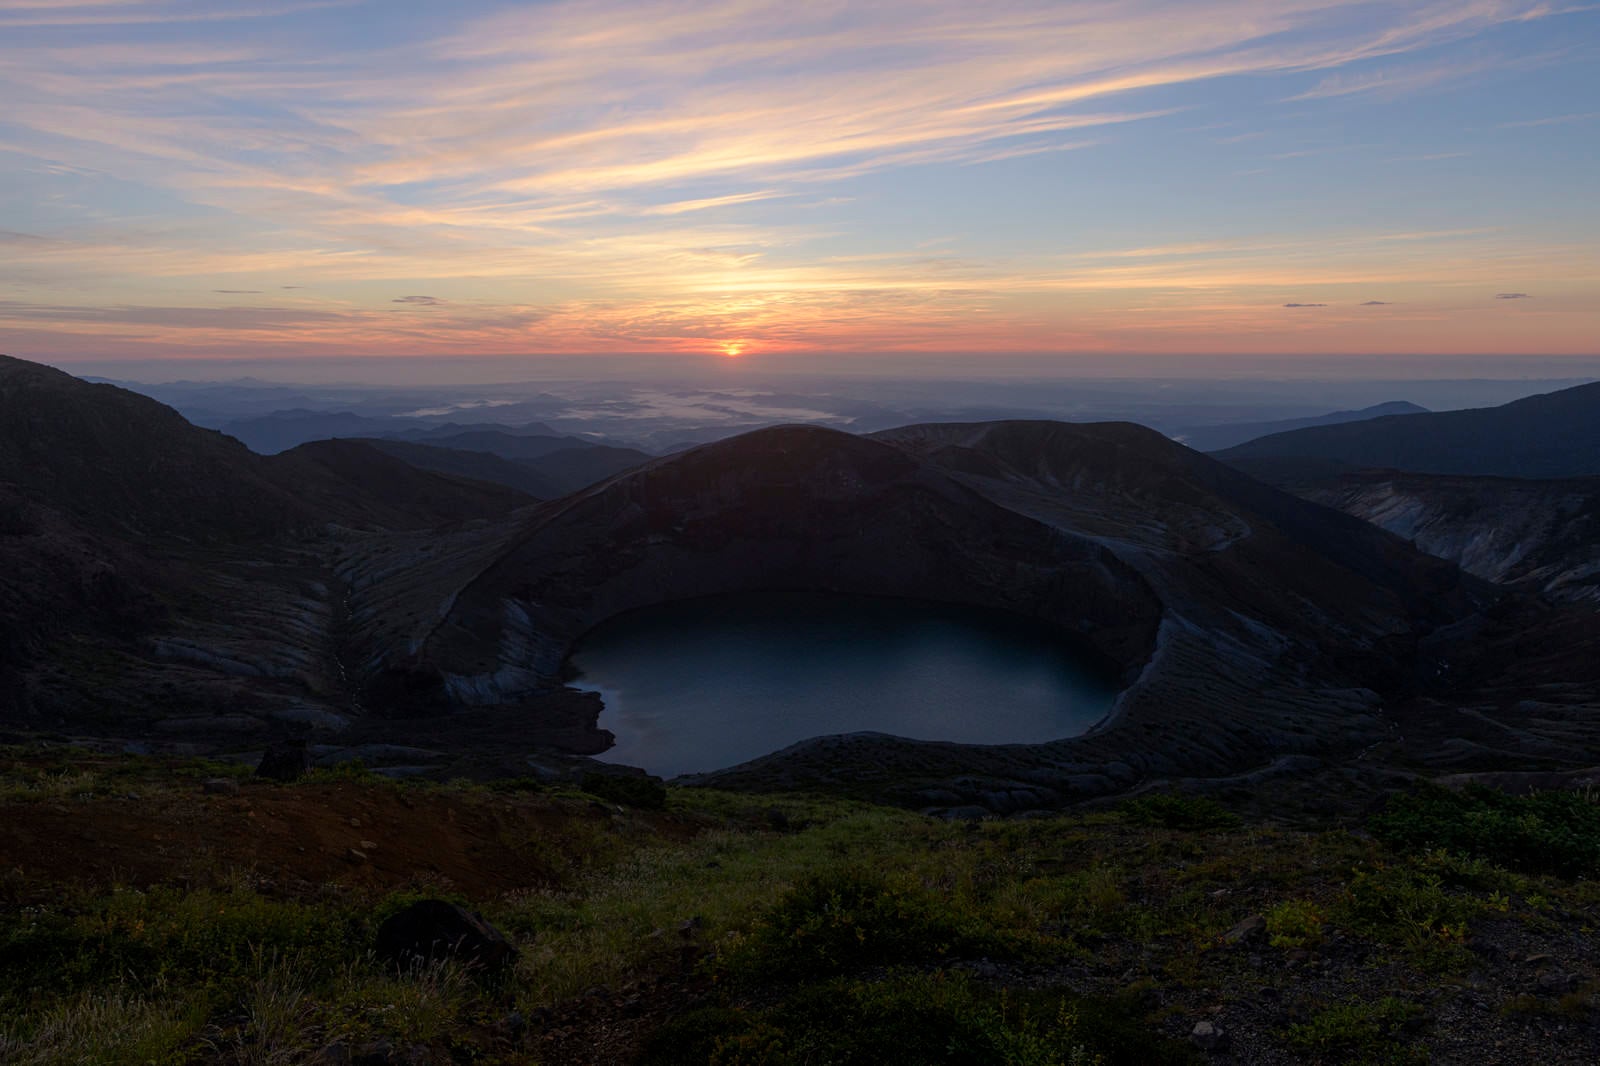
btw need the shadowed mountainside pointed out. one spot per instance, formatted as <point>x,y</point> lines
<point>572,469</point>
<point>130,465</point>
<point>152,569</point>
<point>1554,435</point>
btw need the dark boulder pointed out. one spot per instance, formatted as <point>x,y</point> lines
<point>433,929</point>
<point>287,760</point>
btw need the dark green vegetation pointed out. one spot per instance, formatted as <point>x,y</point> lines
<point>1547,832</point>
<point>717,929</point>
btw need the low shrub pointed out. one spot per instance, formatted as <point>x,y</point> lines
<point>1410,906</point>
<point>516,784</point>
<point>1363,1032</point>
<point>1295,923</point>
<point>1547,832</point>
<point>837,921</point>
<point>629,790</point>
<point>1174,810</point>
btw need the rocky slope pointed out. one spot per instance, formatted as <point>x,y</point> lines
<point>1543,535</point>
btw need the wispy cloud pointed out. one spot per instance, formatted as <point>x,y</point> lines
<point>1305,305</point>
<point>68,13</point>
<point>1391,82</point>
<point>1375,303</point>
<point>662,173</point>
<point>1551,120</point>
<point>1512,296</point>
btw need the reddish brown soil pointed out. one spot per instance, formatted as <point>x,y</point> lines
<point>298,838</point>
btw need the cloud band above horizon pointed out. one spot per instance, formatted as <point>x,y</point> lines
<point>751,176</point>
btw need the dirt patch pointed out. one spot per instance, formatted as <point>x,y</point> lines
<point>296,839</point>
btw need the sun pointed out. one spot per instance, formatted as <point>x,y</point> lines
<point>732,349</point>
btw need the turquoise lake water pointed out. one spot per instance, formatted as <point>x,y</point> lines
<point>706,684</point>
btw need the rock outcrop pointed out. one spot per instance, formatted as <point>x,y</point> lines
<point>1542,535</point>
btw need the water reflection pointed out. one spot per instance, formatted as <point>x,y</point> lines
<point>705,684</point>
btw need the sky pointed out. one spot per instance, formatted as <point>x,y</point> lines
<point>1061,180</point>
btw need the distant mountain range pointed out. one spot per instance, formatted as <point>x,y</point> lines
<point>1553,435</point>
<point>546,473</point>
<point>531,458</point>
<point>1216,438</point>
<point>163,586</point>
<point>1510,493</point>
<point>281,430</point>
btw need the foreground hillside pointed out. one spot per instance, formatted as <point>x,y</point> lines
<point>171,913</point>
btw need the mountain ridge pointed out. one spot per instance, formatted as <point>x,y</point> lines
<point>1217,437</point>
<point>1252,629</point>
<point>1551,435</point>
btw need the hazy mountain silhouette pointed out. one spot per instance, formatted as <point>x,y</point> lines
<point>1215,438</point>
<point>1553,435</point>
<point>450,429</point>
<point>359,482</point>
<point>505,444</point>
<point>544,476</point>
<point>477,465</point>
<point>571,469</point>
<point>282,430</point>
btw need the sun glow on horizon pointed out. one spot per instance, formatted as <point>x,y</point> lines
<point>583,177</point>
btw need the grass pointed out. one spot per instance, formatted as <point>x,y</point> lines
<point>914,1019</point>
<point>778,923</point>
<point>1361,1032</point>
<point>113,1026</point>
